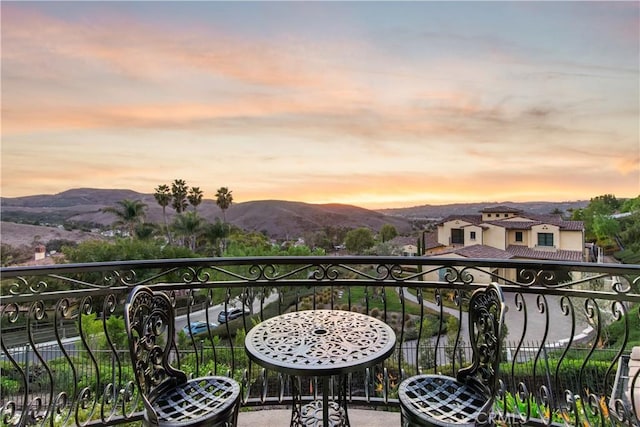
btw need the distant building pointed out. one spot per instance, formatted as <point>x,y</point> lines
<point>403,245</point>
<point>512,232</point>
<point>40,252</point>
<point>502,232</point>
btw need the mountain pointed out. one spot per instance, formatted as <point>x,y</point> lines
<point>277,218</point>
<point>441,211</point>
<point>17,235</point>
<point>291,219</point>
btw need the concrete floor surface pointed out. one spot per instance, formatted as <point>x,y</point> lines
<point>282,417</point>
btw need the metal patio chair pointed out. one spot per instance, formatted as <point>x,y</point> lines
<point>170,399</point>
<point>467,399</point>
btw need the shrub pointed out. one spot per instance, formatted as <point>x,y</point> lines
<point>616,330</point>
<point>9,387</point>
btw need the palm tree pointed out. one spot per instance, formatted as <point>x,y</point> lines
<point>214,234</point>
<point>195,197</point>
<point>179,193</point>
<point>224,198</point>
<point>146,230</point>
<point>163,197</point>
<point>130,213</point>
<point>188,225</point>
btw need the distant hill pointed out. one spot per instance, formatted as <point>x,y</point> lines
<point>18,235</point>
<point>290,219</point>
<point>279,219</point>
<point>441,211</point>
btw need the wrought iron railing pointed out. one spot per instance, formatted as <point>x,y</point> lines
<point>64,359</point>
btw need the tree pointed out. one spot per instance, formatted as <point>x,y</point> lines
<point>214,233</point>
<point>93,330</point>
<point>631,205</point>
<point>122,250</point>
<point>318,239</point>
<point>359,240</point>
<point>604,205</point>
<point>130,213</point>
<point>387,232</point>
<point>188,225</point>
<point>58,244</point>
<point>609,200</point>
<point>179,191</point>
<point>10,255</point>
<point>224,198</point>
<point>383,249</point>
<point>146,230</point>
<point>195,197</point>
<point>336,235</point>
<point>630,239</point>
<point>163,197</point>
<point>605,227</point>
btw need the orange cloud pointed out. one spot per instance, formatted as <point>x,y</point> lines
<point>629,164</point>
<point>80,97</point>
<point>140,51</point>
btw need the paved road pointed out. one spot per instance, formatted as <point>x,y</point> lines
<point>201,315</point>
<point>557,326</point>
<point>51,350</point>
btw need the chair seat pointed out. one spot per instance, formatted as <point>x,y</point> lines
<point>437,400</point>
<point>200,401</point>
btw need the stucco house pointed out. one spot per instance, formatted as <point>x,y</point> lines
<point>502,232</point>
<point>405,246</point>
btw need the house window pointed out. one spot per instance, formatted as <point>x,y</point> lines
<point>457,236</point>
<point>489,215</point>
<point>518,236</point>
<point>545,239</point>
<point>472,235</point>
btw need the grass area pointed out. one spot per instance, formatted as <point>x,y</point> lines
<point>628,256</point>
<point>616,330</point>
<point>358,297</point>
<point>447,298</point>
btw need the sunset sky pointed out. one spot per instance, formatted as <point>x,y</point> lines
<point>376,104</point>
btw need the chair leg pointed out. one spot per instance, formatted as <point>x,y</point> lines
<point>234,416</point>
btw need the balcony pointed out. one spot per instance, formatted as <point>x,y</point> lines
<point>570,329</point>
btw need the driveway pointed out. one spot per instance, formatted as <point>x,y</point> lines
<point>530,321</point>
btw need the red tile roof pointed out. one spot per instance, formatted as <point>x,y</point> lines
<point>481,251</point>
<point>557,220</point>
<point>558,255</point>
<point>431,240</point>
<point>522,225</point>
<point>500,209</point>
<point>473,219</point>
<point>514,225</point>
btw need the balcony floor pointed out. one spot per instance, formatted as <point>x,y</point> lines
<point>281,417</point>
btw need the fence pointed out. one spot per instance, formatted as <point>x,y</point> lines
<point>568,325</point>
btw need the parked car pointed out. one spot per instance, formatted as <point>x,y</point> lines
<point>198,328</point>
<point>231,314</point>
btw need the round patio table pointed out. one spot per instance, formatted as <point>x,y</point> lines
<point>320,343</point>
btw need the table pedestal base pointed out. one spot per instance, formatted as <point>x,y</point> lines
<point>320,412</point>
<point>312,415</point>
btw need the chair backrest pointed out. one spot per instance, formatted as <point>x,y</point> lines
<point>149,321</point>
<point>486,317</point>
